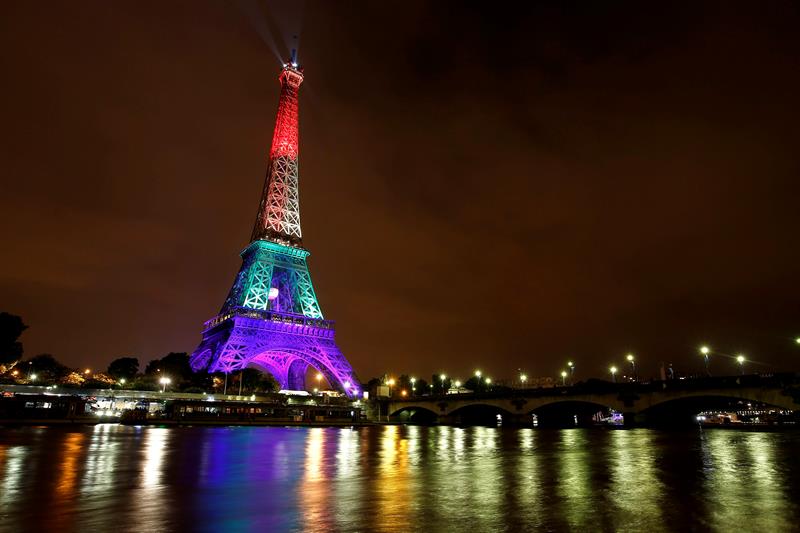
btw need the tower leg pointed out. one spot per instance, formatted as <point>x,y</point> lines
<point>297,375</point>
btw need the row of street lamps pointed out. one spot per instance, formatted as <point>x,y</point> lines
<point>705,351</point>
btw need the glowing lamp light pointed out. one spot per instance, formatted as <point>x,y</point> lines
<point>477,373</point>
<point>629,357</point>
<point>346,384</point>
<point>122,381</point>
<point>740,359</point>
<point>390,382</point>
<point>403,392</point>
<point>33,377</point>
<point>87,371</point>
<point>797,340</point>
<point>273,293</point>
<point>523,378</point>
<point>613,370</point>
<point>705,350</point>
<point>488,381</point>
<point>457,383</point>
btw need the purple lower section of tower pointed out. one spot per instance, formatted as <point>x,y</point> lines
<point>285,345</point>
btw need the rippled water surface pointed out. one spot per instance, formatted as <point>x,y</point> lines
<point>396,478</point>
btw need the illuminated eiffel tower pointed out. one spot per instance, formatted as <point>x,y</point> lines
<point>271,318</point>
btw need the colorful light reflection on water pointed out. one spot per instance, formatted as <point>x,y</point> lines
<point>396,478</point>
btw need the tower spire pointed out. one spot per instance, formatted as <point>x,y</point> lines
<point>278,217</point>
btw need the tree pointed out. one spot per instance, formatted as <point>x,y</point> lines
<point>440,386</point>
<point>124,368</point>
<point>253,380</point>
<point>174,365</point>
<point>46,368</point>
<point>422,387</point>
<point>11,327</point>
<point>474,384</point>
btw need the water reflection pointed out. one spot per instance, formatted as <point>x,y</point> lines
<point>392,483</point>
<point>395,479</point>
<point>13,467</point>
<point>747,478</point>
<point>527,492</point>
<point>315,491</point>
<point>574,476</point>
<point>636,492</point>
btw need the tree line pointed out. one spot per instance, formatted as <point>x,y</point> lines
<point>123,372</point>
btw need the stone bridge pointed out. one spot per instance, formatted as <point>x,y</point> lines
<point>672,401</point>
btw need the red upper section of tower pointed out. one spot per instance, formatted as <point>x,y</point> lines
<point>285,139</point>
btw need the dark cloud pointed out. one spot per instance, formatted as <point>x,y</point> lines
<point>481,184</point>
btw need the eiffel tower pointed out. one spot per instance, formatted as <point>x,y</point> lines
<point>271,318</point>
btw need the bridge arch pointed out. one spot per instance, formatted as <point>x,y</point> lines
<point>774,397</point>
<point>482,413</point>
<point>569,412</point>
<point>682,409</point>
<point>415,414</point>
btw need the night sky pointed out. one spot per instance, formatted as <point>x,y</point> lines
<point>480,186</point>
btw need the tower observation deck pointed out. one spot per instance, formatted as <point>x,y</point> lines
<point>271,318</point>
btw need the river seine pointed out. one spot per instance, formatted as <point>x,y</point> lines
<point>396,478</point>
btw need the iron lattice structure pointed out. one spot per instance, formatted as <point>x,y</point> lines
<point>279,213</point>
<point>271,317</point>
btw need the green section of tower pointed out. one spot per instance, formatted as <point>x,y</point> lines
<point>274,277</point>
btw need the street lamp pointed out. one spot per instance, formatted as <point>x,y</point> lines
<point>740,359</point>
<point>613,371</point>
<point>33,377</point>
<point>523,378</point>
<point>413,385</point>
<point>705,350</point>
<point>442,377</point>
<point>478,381</point>
<point>563,377</point>
<point>632,361</point>
<point>164,382</point>
<point>390,382</point>
<point>87,371</point>
<point>457,384</point>
<point>319,379</point>
<point>121,382</point>
<point>488,381</point>
<point>797,340</point>
<point>571,366</point>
